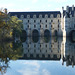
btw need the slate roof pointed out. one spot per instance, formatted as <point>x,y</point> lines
<point>43,13</point>
<point>71,12</point>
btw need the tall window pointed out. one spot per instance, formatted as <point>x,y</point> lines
<point>28,21</point>
<point>34,21</point>
<point>51,26</point>
<point>58,25</point>
<point>34,45</point>
<point>40,45</point>
<point>28,26</point>
<point>58,20</point>
<point>34,26</point>
<point>46,46</point>
<point>46,20</point>
<point>51,20</point>
<point>46,26</point>
<point>40,26</point>
<point>74,25</point>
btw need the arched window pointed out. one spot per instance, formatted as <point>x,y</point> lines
<point>35,32</point>
<point>46,33</point>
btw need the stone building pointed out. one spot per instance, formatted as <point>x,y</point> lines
<point>42,49</point>
<point>68,52</point>
<point>68,21</point>
<point>40,23</point>
<point>51,23</point>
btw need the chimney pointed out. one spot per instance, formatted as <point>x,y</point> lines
<point>72,7</point>
<point>62,8</point>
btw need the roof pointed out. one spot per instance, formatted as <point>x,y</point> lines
<point>71,12</point>
<point>40,58</point>
<point>43,13</point>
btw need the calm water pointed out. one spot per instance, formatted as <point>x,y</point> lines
<point>38,56</point>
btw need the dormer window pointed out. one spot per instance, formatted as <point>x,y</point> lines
<point>28,16</point>
<point>22,16</point>
<point>16,15</point>
<point>46,16</point>
<point>51,15</point>
<point>34,16</point>
<point>40,16</point>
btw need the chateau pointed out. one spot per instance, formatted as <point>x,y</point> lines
<point>48,23</point>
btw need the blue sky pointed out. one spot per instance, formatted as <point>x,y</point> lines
<point>32,67</point>
<point>35,5</point>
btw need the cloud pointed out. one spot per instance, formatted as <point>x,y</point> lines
<point>45,72</point>
<point>32,68</point>
<point>57,9</point>
<point>58,0</point>
<point>19,10</point>
<point>29,72</point>
<point>34,1</point>
<point>6,5</point>
<point>34,63</point>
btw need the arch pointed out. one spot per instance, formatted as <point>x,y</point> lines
<point>46,33</point>
<point>23,36</point>
<point>46,39</point>
<point>55,33</point>
<point>35,33</point>
<point>35,39</point>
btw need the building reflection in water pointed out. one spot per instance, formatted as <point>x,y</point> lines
<point>42,48</point>
<point>38,48</point>
<point>68,52</point>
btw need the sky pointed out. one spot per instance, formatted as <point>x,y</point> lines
<point>35,5</point>
<point>34,67</point>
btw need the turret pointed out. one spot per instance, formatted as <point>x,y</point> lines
<point>5,10</point>
<point>67,8</point>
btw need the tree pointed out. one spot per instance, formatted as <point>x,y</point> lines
<point>9,25</point>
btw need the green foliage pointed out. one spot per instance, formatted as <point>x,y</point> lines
<point>10,25</point>
<point>17,26</point>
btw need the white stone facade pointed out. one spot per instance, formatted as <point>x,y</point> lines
<point>68,20</point>
<point>58,22</point>
<point>45,21</point>
<point>42,49</point>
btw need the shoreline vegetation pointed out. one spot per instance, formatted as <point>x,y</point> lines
<point>10,27</point>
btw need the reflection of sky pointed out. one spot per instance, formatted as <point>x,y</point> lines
<point>31,67</point>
